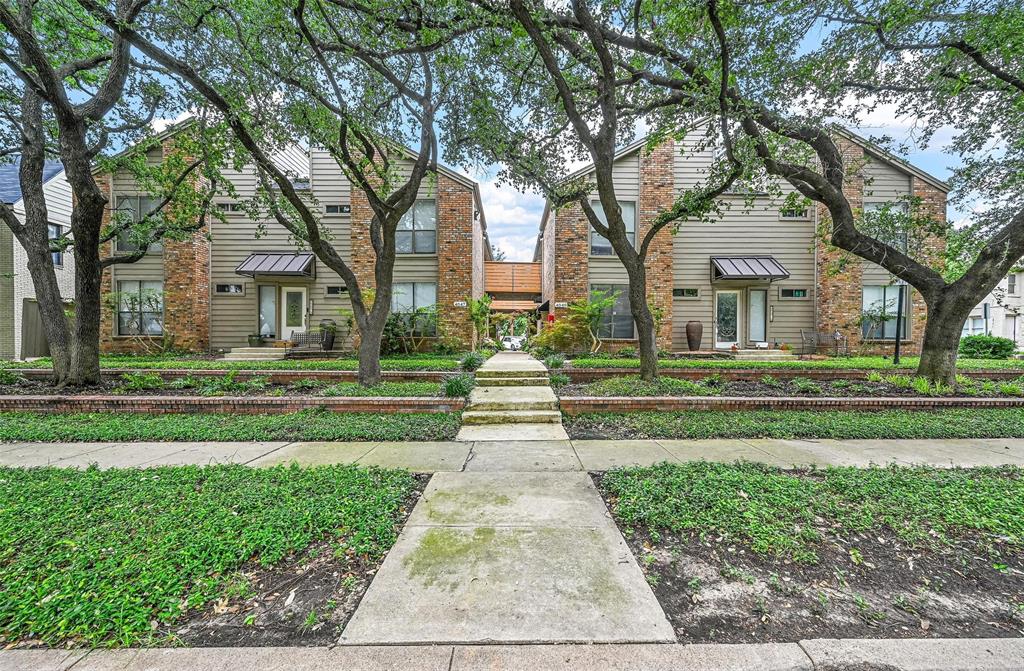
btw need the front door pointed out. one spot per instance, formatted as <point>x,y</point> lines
<point>727,319</point>
<point>757,315</point>
<point>293,311</point>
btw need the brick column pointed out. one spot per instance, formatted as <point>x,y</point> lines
<point>363,257</point>
<point>840,274</point>
<point>106,184</point>
<point>187,291</point>
<point>572,260</point>
<point>454,256</point>
<point>656,196</point>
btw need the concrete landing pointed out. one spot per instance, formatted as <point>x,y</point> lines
<point>509,558</point>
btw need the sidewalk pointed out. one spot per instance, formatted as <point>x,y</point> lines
<point>816,655</point>
<point>514,453</point>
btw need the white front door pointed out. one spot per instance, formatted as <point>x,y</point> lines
<point>293,311</point>
<point>727,319</point>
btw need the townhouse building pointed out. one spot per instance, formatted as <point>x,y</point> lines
<point>760,276</point>
<point>241,276</point>
<point>21,327</point>
<point>1001,313</point>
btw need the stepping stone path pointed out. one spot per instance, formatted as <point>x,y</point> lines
<point>519,547</point>
<point>513,400</point>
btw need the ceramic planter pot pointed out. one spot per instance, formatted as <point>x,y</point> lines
<point>694,333</point>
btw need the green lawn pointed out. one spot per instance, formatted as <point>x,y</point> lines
<point>958,423</point>
<point>853,362</point>
<point>788,514</point>
<point>101,557</point>
<point>411,362</point>
<point>305,425</point>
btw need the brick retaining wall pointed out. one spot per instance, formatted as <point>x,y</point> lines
<point>583,404</point>
<point>274,376</point>
<point>238,405</point>
<point>755,374</point>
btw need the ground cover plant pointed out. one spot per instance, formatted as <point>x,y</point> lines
<point>875,384</point>
<point>398,362</point>
<point>842,363</point>
<point>951,423</point>
<point>305,425</point>
<point>115,557</point>
<point>747,552</point>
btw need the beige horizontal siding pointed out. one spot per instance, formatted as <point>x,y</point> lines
<point>883,183</point>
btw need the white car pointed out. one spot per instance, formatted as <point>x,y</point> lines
<point>512,343</point>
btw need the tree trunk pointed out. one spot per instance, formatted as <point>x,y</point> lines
<point>85,336</point>
<point>369,350</point>
<point>51,311</point>
<point>942,340</point>
<point>643,319</point>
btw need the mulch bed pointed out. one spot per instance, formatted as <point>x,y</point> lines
<point>278,610</point>
<point>864,586</point>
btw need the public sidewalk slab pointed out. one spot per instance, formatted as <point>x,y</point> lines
<point>523,456</point>
<point>923,654</point>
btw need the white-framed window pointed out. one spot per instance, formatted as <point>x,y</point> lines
<point>689,293</point>
<point>798,213</point>
<point>337,209</point>
<point>53,233</point>
<point>230,289</point>
<point>973,326</point>
<point>336,290</point>
<point>136,208</point>
<point>600,245</point>
<point>1011,284</point>
<point>408,297</point>
<point>140,307</point>
<point>879,305</point>
<point>891,233</point>
<point>230,207</point>
<point>793,293</point>
<point>618,319</point>
<point>417,229</point>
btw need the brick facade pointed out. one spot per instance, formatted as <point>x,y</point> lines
<point>186,288</point>
<point>657,193</point>
<point>454,257</point>
<point>572,257</point>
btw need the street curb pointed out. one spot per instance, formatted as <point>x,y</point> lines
<point>809,655</point>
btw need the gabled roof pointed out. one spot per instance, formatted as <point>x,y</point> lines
<point>10,185</point>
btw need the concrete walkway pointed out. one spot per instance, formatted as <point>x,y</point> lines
<point>814,655</point>
<point>521,454</point>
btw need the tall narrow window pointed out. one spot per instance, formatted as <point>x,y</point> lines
<point>140,308</point>
<point>618,319</point>
<point>1011,284</point>
<point>417,229</point>
<point>53,233</point>
<point>268,311</point>
<point>879,305</point>
<point>135,208</point>
<point>600,245</point>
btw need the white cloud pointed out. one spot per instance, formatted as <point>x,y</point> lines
<point>160,125</point>
<point>512,218</point>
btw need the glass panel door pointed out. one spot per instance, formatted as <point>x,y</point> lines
<point>757,314</point>
<point>727,317</point>
<point>293,304</point>
<point>268,311</point>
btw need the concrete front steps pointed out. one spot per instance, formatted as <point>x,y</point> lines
<point>256,354</point>
<point>512,397</point>
<point>512,405</point>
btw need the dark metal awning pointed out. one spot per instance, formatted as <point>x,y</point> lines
<point>747,268</point>
<point>274,263</point>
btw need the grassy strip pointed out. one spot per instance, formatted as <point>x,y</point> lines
<point>97,556</point>
<point>788,514</point>
<point>953,423</point>
<point>304,425</point>
<point>632,385</point>
<point>842,363</point>
<point>412,362</point>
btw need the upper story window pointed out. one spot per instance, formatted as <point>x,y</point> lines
<point>882,222</point>
<point>600,245</point>
<point>136,208</point>
<point>1011,284</point>
<point>53,233</point>
<point>417,229</point>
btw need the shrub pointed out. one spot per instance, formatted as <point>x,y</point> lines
<point>472,361</point>
<point>632,385</point>
<point>459,385</point>
<point>986,347</point>
<point>771,381</point>
<point>447,345</point>
<point>554,362</point>
<point>565,334</point>
<point>10,377</point>
<point>805,386</point>
<point>140,382</point>
<point>626,353</point>
<point>559,379</point>
<point>307,383</point>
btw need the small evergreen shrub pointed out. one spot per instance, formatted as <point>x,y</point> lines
<point>459,385</point>
<point>986,347</point>
<point>626,353</point>
<point>472,361</point>
<point>554,362</point>
<point>559,379</point>
<point>140,382</point>
<point>805,386</point>
<point>10,377</point>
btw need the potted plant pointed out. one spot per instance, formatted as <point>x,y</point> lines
<point>329,328</point>
<point>255,340</point>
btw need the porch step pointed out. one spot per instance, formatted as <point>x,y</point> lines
<point>511,417</point>
<point>539,373</point>
<point>519,398</point>
<point>511,381</point>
